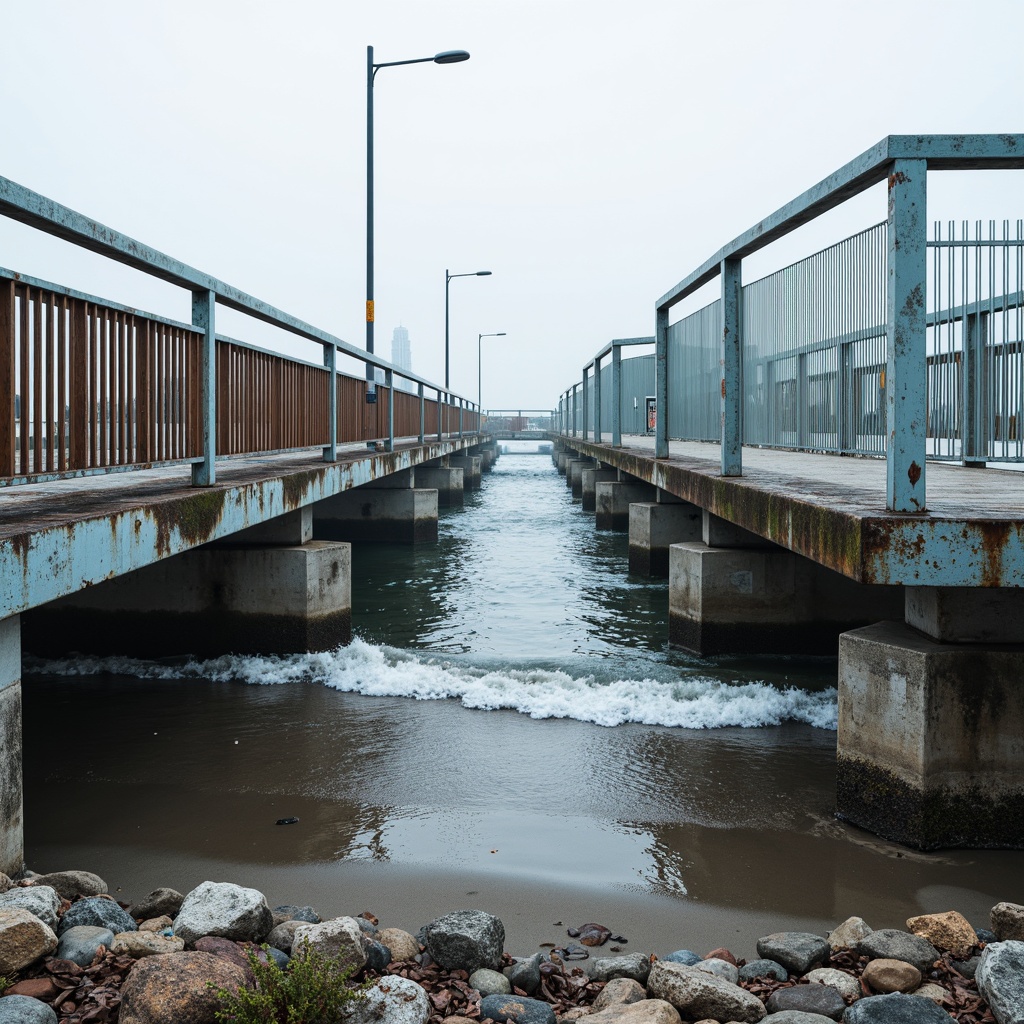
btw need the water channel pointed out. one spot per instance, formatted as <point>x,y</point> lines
<point>509,731</point>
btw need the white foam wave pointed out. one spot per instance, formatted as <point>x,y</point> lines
<point>695,702</point>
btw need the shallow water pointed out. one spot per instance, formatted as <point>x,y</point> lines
<point>510,731</point>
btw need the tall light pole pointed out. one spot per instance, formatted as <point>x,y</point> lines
<point>445,57</point>
<point>447,281</point>
<point>479,375</point>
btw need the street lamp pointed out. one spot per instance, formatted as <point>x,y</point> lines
<point>445,57</point>
<point>447,280</point>
<point>479,378</point>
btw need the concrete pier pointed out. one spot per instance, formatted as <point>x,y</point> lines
<point>654,527</point>
<point>471,470</point>
<point>612,501</point>
<point>562,460</point>
<point>574,475</point>
<point>931,721</point>
<point>589,479</point>
<point>446,480</point>
<point>12,851</point>
<point>390,510</point>
<point>764,600</point>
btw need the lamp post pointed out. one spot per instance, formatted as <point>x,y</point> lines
<point>479,375</point>
<point>445,57</point>
<point>447,281</point>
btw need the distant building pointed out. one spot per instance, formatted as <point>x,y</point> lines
<point>401,355</point>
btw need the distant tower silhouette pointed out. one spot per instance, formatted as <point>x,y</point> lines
<point>401,352</point>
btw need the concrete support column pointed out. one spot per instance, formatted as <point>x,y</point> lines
<point>574,475</point>
<point>207,602</point>
<point>447,481</point>
<point>764,600</point>
<point>613,499</point>
<point>471,469</point>
<point>12,844</point>
<point>930,747</point>
<point>562,460</point>
<point>589,479</point>
<point>379,515</point>
<point>654,527</point>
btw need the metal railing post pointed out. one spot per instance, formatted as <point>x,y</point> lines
<point>586,401</point>
<point>204,318</point>
<point>732,369</point>
<point>461,406</point>
<point>616,395</point>
<point>906,348</point>
<point>440,416</point>
<point>974,432</point>
<point>423,414</point>
<point>331,362</point>
<point>389,383</point>
<point>598,436</point>
<point>661,385</point>
<point>802,399</point>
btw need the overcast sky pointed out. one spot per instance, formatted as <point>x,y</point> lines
<point>590,153</point>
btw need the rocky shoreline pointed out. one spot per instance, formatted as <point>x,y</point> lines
<point>70,952</point>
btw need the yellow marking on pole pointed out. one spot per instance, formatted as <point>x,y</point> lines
<point>369,311</point>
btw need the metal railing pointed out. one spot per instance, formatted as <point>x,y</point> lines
<point>518,420</point>
<point>90,386</point>
<point>883,344</point>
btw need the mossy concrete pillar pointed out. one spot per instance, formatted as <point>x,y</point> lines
<point>589,479</point>
<point>471,470</point>
<point>930,747</point>
<point>373,514</point>
<point>12,843</point>
<point>654,527</point>
<point>448,481</point>
<point>612,501</point>
<point>765,600</point>
<point>574,475</point>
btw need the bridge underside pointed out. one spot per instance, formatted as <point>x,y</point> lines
<point>800,555</point>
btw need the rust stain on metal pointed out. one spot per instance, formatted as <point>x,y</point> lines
<point>994,538</point>
<point>898,178</point>
<point>723,387</point>
<point>914,474</point>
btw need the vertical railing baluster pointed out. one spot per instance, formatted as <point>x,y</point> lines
<point>661,385</point>
<point>732,369</point>
<point>331,362</point>
<point>598,436</point>
<point>8,380</point>
<point>616,395</point>
<point>204,319</point>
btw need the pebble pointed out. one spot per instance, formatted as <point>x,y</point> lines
<point>683,956</point>
<point>490,983</point>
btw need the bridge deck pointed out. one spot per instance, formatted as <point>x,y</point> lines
<point>832,509</point>
<point>60,536</point>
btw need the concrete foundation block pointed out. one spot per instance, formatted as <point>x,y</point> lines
<point>574,475</point>
<point>765,601</point>
<point>562,459</point>
<point>448,482</point>
<point>654,527</point>
<point>208,602</point>
<point>720,533</point>
<point>471,470</point>
<point>612,501</point>
<point>931,739</point>
<point>12,843</point>
<point>589,479</point>
<point>967,614</point>
<point>375,515</point>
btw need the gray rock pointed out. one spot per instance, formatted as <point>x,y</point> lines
<point>394,1000</point>
<point>986,935</point>
<point>1000,979</point>
<point>283,936</point>
<point>968,968</point>
<point>159,903</point>
<point>701,996</point>
<point>1007,921</point>
<point>279,957</point>
<point>798,1017</point>
<point>763,969</point>
<point>519,1009</point>
<point>525,975</point>
<point>820,999</point>
<point>70,884</point>
<point>849,933</point>
<point>80,943</point>
<point>646,1011</point>
<point>288,912</point>
<point>25,1010</point>
<point>619,992</point>
<point>895,1008</point>
<point>683,956</point>
<point>893,944</point>
<point>24,939</point>
<point>845,984</point>
<point>720,969</point>
<point>491,983</point>
<point>798,952</point>
<point>341,938</point>
<point>225,910</point>
<point>97,911</point>
<point>41,900</point>
<point>403,946</point>
<point>378,956</point>
<point>466,940</point>
<point>631,965</point>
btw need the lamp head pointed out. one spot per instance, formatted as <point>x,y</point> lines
<point>483,273</point>
<point>450,56</point>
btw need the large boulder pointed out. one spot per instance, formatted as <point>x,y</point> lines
<point>631,965</point>
<point>393,1000</point>
<point>1007,921</point>
<point>99,912</point>
<point>283,935</point>
<point>950,931</point>
<point>178,988</point>
<point>701,996</point>
<point>798,952</point>
<point>619,992</point>
<point>647,1011</point>
<point>896,1008</point>
<point>41,900</point>
<point>226,910</point>
<point>466,940</point>
<point>81,943</point>
<point>158,903</point>
<point>403,946</point>
<point>23,939</point>
<point>893,944</point>
<point>1000,978</point>
<point>71,884</point>
<point>25,1010</point>
<point>340,938</point>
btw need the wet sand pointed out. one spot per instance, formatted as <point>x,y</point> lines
<point>674,838</point>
